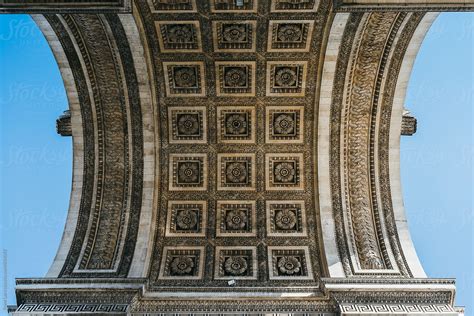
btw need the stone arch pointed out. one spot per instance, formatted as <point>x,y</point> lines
<point>348,243</point>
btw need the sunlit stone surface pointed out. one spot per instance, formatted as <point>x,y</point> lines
<point>235,157</point>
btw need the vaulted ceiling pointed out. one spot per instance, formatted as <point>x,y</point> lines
<point>246,141</point>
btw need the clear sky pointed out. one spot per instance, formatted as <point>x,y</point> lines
<point>436,163</point>
<point>437,176</point>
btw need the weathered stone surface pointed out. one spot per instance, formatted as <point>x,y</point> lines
<point>235,156</point>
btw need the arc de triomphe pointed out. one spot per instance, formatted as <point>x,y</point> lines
<point>235,156</point>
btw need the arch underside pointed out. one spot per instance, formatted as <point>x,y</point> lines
<point>255,144</point>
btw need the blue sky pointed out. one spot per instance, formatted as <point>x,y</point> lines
<point>436,163</point>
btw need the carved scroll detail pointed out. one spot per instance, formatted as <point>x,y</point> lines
<point>357,140</point>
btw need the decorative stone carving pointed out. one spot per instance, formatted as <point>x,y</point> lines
<point>409,124</point>
<point>290,36</point>
<point>188,172</point>
<point>284,172</point>
<point>236,172</point>
<point>182,263</point>
<point>72,308</point>
<point>184,79</point>
<point>358,110</point>
<point>63,124</point>
<point>179,36</point>
<point>286,218</point>
<point>286,78</point>
<point>188,204</point>
<point>293,5</point>
<point>235,36</point>
<point>236,124</point>
<point>284,124</point>
<point>235,78</point>
<point>236,218</point>
<point>187,125</point>
<point>289,263</point>
<point>400,309</point>
<point>236,263</point>
<point>186,218</point>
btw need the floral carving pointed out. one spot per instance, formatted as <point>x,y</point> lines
<point>236,265</point>
<point>290,33</point>
<point>188,172</point>
<point>185,77</point>
<point>284,124</point>
<point>237,262</point>
<point>187,219</point>
<point>180,33</point>
<point>234,33</point>
<point>290,262</point>
<point>236,124</point>
<point>188,124</point>
<point>286,77</point>
<point>182,265</point>
<point>285,219</point>
<point>284,172</point>
<point>235,77</point>
<point>236,172</point>
<point>289,265</point>
<point>236,219</point>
